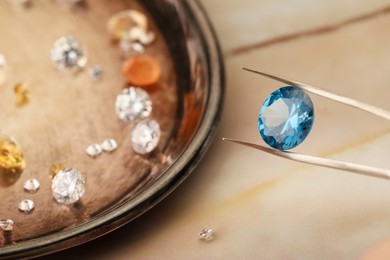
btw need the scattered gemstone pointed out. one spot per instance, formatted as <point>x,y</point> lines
<point>121,24</point>
<point>286,118</point>
<point>94,150</point>
<point>109,145</point>
<point>130,48</point>
<point>206,234</point>
<point>96,72</point>
<point>12,162</point>
<point>7,224</point>
<point>145,136</point>
<point>141,70</point>
<point>22,94</point>
<point>68,54</point>
<point>132,104</point>
<point>55,168</point>
<point>26,206</point>
<point>68,186</point>
<point>31,185</point>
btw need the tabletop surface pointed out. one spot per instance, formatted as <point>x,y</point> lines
<point>260,206</point>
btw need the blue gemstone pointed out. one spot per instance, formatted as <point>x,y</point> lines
<point>286,118</point>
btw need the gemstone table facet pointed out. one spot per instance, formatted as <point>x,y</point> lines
<point>286,118</point>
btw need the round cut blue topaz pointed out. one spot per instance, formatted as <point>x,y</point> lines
<point>286,118</point>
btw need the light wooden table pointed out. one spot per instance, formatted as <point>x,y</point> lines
<point>262,207</point>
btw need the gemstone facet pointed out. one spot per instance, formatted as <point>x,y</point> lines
<point>145,136</point>
<point>94,150</point>
<point>26,206</point>
<point>96,72</point>
<point>68,186</point>
<point>132,104</point>
<point>6,224</point>
<point>68,54</point>
<point>109,145</point>
<point>286,118</point>
<point>31,185</point>
<point>206,234</point>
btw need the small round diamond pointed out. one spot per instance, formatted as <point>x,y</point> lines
<point>286,118</point>
<point>109,145</point>
<point>94,150</point>
<point>96,72</point>
<point>68,186</point>
<point>6,224</point>
<point>26,206</point>
<point>68,54</point>
<point>31,185</point>
<point>133,103</point>
<point>145,136</point>
<point>206,234</point>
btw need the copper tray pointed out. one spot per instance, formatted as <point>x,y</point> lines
<point>121,186</point>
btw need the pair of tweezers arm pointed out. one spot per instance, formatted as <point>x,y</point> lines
<point>314,160</point>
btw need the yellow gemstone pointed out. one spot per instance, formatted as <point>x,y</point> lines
<point>12,162</point>
<point>55,168</point>
<point>121,24</point>
<point>22,94</point>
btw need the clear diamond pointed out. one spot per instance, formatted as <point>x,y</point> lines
<point>68,186</point>
<point>68,53</point>
<point>206,234</point>
<point>109,145</point>
<point>96,72</point>
<point>6,224</point>
<point>145,136</point>
<point>26,206</point>
<point>133,103</point>
<point>94,150</point>
<point>31,185</point>
<point>286,118</point>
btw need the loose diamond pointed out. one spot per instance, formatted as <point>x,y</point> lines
<point>6,224</point>
<point>109,145</point>
<point>31,185</point>
<point>26,206</point>
<point>145,136</point>
<point>286,118</point>
<point>68,54</point>
<point>12,163</point>
<point>94,150</point>
<point>133,103</point>
<point>96,72</point>
<point>68,186</point>
<point>22,94</point>
<point>206,234</point>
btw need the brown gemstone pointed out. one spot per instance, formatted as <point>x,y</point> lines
<point>141,70</point>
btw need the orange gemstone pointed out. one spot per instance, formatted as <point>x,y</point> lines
<point>141,70</point>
